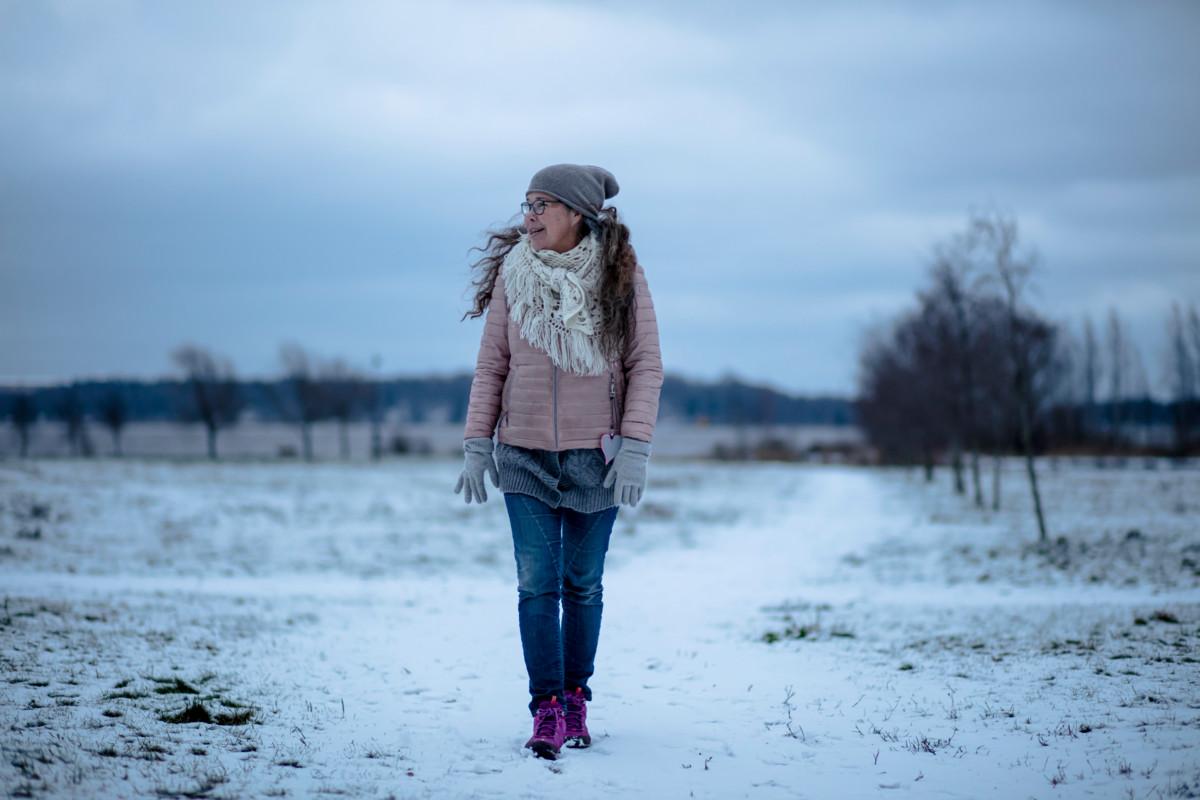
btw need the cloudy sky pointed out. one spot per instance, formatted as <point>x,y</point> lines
<point>244,174</point>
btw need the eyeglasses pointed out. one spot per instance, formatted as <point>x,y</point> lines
<point>537,206</point>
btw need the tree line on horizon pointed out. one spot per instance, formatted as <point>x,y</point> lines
<point>311,389</point>
<point>973,368</point>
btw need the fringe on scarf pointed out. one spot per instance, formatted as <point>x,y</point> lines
<point>535,303</point>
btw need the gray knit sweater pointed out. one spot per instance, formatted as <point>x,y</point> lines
<point>571,478</point>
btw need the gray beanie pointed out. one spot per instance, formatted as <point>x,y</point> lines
<point>581,186</point>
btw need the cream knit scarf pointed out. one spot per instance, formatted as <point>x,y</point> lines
<point>553,298</point>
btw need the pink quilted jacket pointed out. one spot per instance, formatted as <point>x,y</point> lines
<point>520,394</point>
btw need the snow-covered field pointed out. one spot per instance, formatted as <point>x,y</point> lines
<point>770,631</point>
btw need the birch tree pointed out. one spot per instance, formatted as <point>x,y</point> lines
<point>1027,340</point>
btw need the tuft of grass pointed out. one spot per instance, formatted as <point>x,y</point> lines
<point>174,686</point>
<point>107,752</point>
<point>38,510</point>
<point>289,762</point>
<point>924,744</point>
<point>905,666</point>
<point>123,684</point>
<point>195,712</point>
<point>989,712</point>
<point>1165,616</point>
<point>125,695</point>
<point>203,788</point>
<point>152,751</point>
<point>111,712</point>
<point>242,717</point>
<point>794,630</point>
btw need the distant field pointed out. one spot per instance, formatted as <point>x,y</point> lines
<point>272,440</point>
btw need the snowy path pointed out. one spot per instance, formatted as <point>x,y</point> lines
<point>414,687</point>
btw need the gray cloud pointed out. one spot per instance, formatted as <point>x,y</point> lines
<point>241,175</point>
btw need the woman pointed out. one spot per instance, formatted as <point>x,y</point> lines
<point>568,376</point>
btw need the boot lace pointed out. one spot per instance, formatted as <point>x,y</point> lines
<point>574,712</point>
<point>547,723</point>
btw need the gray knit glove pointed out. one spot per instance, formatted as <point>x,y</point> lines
<point>479,458</point>
<point>628,471</point>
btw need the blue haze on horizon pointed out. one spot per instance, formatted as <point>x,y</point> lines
<point>241,175</point>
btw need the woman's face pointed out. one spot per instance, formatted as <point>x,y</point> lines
<point>556,228</point>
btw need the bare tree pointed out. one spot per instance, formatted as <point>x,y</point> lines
<point>1067,405</point>
<point>375,403</point>
<point>70,409</point>
<point>1118,360</point>
<point>1193,327</point>
<point>995,381</point>
<point>1181,371</point>
<point>303,398</point>
<point>899,406</point>
<point>950,304</point>
<point>1028,341</point>
<point>212,396</point>
<point>114,413</point>
<point>346,393</point>
<point>1139,385</point>
<point>1091,375</point>
<point>22,412</point>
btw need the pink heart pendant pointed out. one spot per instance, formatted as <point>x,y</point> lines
<point>610,444</point>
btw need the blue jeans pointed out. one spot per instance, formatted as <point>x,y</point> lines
<point>560,559</point>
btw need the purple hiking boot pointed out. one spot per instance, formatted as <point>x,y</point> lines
<point>576,719</point>
<point>548,729</point>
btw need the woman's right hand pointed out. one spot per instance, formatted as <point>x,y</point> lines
<point>478,452</point>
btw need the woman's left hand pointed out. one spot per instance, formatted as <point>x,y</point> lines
<point>628,471</point>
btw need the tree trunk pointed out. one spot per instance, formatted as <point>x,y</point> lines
<point>116,434</point>
<point>996,462</point>
<point>956,461</point>
<point>344,438</point>
<point>376,438</point>
<point>212,442</point>
<point>1027,446</point>
<point>978,485</point>
<point>306,440</point>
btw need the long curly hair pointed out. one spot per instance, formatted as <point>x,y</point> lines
<point>615,286</point>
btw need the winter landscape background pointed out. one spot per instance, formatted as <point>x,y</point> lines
<point>922,516</point>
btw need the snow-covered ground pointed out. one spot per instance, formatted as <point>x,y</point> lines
<point>770,631</point>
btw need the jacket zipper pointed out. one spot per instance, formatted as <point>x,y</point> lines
<point>555,396</point>
<point>612,399</point>
<point>504,403</point>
